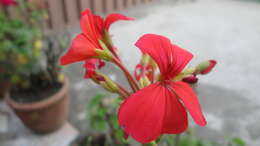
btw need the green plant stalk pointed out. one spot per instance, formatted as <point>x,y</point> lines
<point>108,41</point>
<point>4,11</point>
<point>22,9</point>
<point>153,143</point>
<point>111,128</point>
<point>183,74</point>
<point>118,88</point>
<point>129,77</point>
<point>177,140</point>
<point>123,90</point>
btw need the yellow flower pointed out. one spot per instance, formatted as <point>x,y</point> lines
<point>61,77</point>
<point>38,44</point>
<point>22,59</point>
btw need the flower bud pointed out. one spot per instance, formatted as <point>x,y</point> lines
<point>191,79</point>
<point>185,73</point>
<point>205,67</point>
<point>108,40</point>
<point>145,59</point>
<point>111,85</point>
<point>144,81</point>
<point>104,53</point>
<point>106,82</point>
<point>105,86</point>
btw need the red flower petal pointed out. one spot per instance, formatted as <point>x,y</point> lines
<point>90,66</point>
<point>175,118</point>
<point>141,71</point>
<point>138,71</point>
<point>170,58</point>
<point>113,18</point>
<point>92,26</point>
<point>141,115</point>
<point>8,2</point>
<point>101,63</point>
<point>81,49</point>
<point>190,100</point>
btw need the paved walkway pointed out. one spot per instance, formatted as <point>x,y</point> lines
<point>225,30</point>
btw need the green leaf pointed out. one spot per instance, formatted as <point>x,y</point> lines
<point>238,141</point>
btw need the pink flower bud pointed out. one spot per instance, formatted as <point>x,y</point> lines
<point>205,67</point>
<point>100,78</point>
<point>191,79</point>
<point>211,65</point>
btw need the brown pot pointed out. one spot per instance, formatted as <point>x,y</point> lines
<point>44,116</point>
<point>4,87</point>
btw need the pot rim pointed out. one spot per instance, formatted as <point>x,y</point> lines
<point>43,103</point>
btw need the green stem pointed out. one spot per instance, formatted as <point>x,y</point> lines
<point>123,90</point>
<point>129,77</point>
<point>177,140</point>
<point>153,143</point>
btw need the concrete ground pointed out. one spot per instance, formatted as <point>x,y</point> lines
<point>225,30</point>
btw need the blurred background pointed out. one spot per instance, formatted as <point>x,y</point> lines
<point>34,35</point>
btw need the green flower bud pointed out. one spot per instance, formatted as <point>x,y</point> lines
<point>144,81</point>
<point>205,67</point>
<point>104,53</point>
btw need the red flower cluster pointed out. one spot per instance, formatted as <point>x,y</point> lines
<point>160,108</point>
<point>8,2</point>
<point>94,29</point>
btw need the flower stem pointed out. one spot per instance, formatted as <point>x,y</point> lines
<point>129,77</point>
<point>153,143</point>
<point>177,140</point>
<point>114,53</point>
<point>123,90</point>
<point>122,94</point>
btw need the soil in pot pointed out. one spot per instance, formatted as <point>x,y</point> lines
<point>39,90</point>
<point>42,108</point>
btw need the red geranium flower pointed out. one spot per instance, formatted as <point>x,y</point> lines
<point>94,29</point>
<point>8,2</point>
<point>160,108</point>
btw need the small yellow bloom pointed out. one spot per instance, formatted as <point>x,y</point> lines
<point>38,44</point>
<point>22,59</point>
<point>61,77</point>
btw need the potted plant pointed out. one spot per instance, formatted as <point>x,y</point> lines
<point>39,95</point>
<point>17,51</point>
<point>4,82</point>
<point>41,99</point>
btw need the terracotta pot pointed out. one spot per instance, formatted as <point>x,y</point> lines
<point>44,116</point>
<point>4,87</point>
